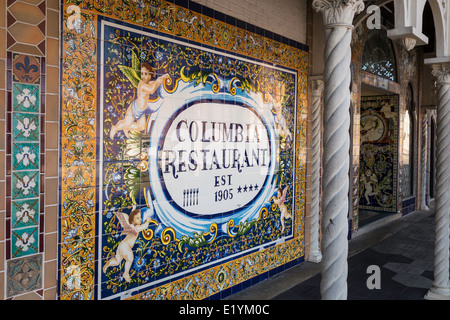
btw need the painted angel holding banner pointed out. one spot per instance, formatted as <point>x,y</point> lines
<point>143,80</point>
<point>132,225</point>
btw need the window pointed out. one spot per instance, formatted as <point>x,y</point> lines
<point>378,55</point>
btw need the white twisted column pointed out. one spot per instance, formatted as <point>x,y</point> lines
<point>441,289</point>
<point>338,16</point>
<point>424,162</point>
<point>317,88</point>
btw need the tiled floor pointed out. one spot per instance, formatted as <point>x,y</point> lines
<point>403,249</point>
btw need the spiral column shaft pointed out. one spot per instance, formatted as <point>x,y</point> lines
<point>338,17</point>
<point>424,163</point>
<point>441,289</point>
<point>336,141</point>
<point>315,255</point>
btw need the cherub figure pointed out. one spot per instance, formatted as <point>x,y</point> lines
<point>369,178</point>
<point>280,200</point>
<point>132,225</point>
<point>388,110</point>
<point>134,119</point>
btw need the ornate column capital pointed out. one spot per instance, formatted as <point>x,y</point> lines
<point>338,12</point>
<point>442,72</point>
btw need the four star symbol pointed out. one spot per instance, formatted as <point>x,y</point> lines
<point>246,188</point>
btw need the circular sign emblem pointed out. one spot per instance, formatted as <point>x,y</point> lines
<point>212,158</point>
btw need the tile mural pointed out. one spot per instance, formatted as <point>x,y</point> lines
<point>379,153</point>
<point>183,150</point>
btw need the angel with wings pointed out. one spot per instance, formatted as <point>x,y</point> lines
<point>146,85</point>
<point>132,225</point>
<point>280,200</point>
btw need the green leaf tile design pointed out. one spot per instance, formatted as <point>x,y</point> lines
<point>24,241</point>
<point>25,185</point>
<point>25,127</point>
<point>26,97</point>
<point>25,156</point>
<point>25,213</point>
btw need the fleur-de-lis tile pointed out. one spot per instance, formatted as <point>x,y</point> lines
<point>25,156</point>
<point>25,97</point>
<point>25,213</point>
<point>26,68</point>
<point>24,241</point>
<point>25,127</point>
<point>25,185</point>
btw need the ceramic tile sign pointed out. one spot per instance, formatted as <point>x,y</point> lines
<point>196,158</point>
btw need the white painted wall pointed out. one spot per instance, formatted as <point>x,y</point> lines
<point>284,17</point>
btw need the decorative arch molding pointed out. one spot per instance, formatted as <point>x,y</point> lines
<point>441,17</point>
<point>409,13</point>
<point>408,23</point>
